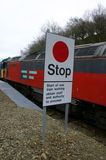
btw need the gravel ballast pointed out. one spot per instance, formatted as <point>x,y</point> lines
<point>20,137</point>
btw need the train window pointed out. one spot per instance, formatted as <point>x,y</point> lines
<point>88,51</point>
<point>31,56</point>
<point>104,53</point>
<point>4,65</point>
<point>15,58</point>
<point>76,50</point>
<point>41,57</point>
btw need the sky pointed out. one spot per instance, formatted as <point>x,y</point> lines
<point>21,20</point>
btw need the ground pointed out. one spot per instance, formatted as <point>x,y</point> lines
<point>20,137</point>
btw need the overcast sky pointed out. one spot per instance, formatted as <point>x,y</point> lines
<point>21,20</point>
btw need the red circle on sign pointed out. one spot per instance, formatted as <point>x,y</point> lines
<point>60,51</point>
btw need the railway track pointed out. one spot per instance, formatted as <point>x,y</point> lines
<point>84,112</point>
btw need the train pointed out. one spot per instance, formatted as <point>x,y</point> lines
<point>89,78</point>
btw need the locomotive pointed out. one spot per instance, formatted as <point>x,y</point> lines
<point>89,78</point>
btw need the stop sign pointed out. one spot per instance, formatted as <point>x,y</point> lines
<point>60,51</point>
<point>58,71</point>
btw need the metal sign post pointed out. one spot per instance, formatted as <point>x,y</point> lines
<point>43,129</point>
<point>66,117</point>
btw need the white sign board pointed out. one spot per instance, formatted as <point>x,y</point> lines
<point>58,73</point>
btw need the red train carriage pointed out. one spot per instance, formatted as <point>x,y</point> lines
<point>89,82</point>
<point>89,79</point>
<point>28,72</point>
